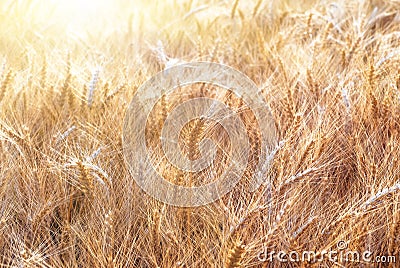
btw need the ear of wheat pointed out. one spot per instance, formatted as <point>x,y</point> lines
<point>329,73</point>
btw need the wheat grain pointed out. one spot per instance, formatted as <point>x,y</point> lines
<point>235,255</point>
<point>5,83</point>
<point>92,86</point>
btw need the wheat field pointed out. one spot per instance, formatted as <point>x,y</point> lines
<point>328,70</point>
